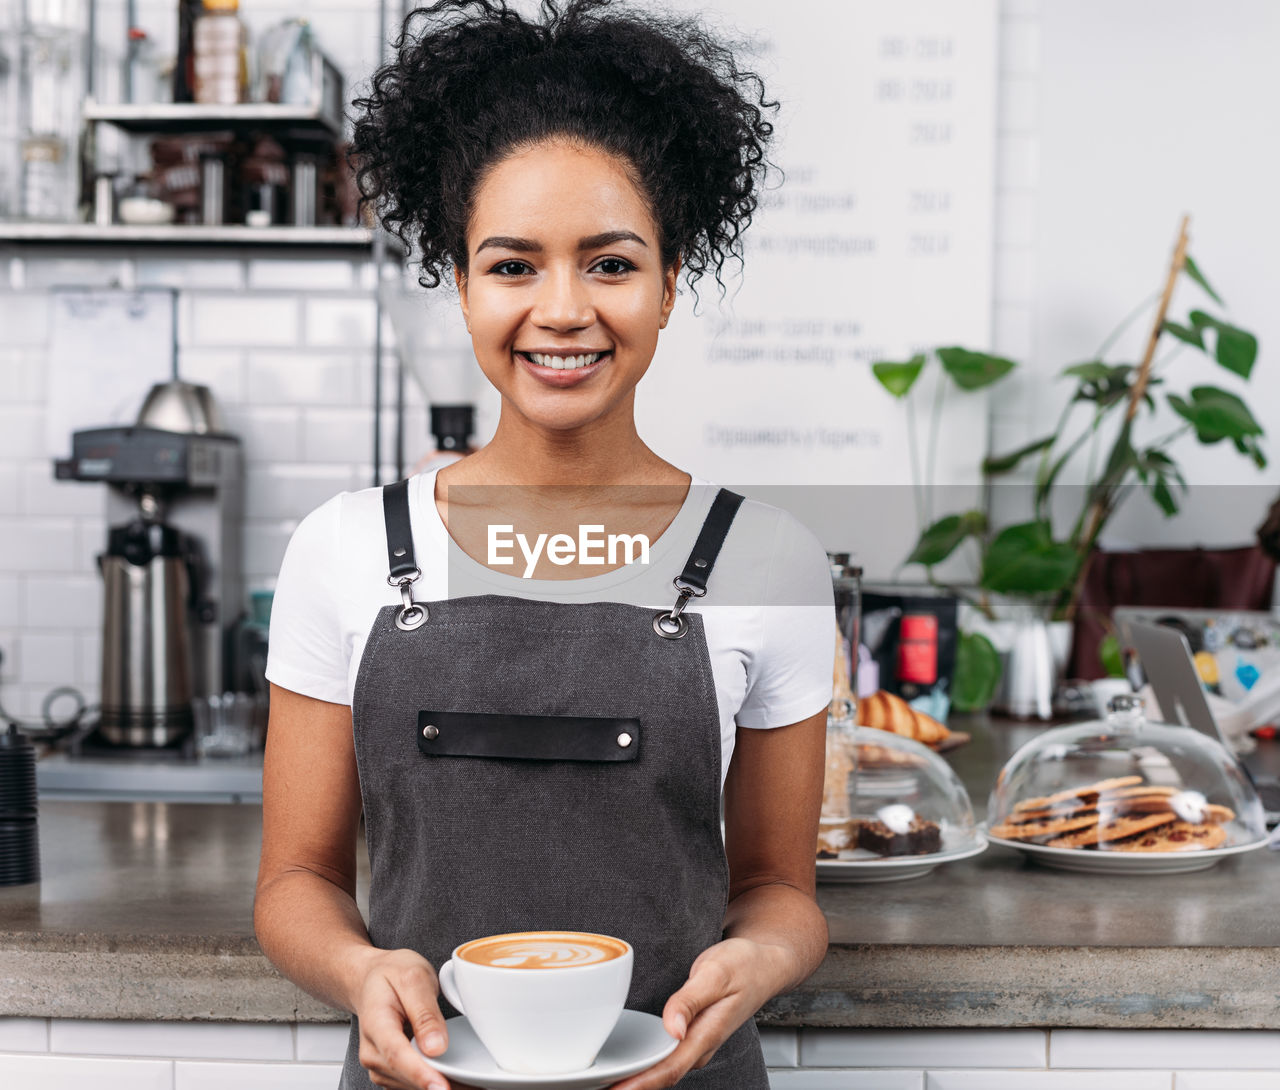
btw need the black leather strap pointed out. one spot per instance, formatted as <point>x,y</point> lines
<point>527,737</point>
<point>395,512</point>
<point>697,569</point>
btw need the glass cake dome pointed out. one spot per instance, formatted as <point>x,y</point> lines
<point>1127,795</point>
<point>887,798</point>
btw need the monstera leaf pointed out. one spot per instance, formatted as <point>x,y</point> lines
<point>898,378</point>
<point>973,370</point>
<point>1024,559</point>
<point>941,539</point>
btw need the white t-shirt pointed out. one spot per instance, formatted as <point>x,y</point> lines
<point>768,614</point>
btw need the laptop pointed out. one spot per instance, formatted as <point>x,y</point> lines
<point>1166,660</point>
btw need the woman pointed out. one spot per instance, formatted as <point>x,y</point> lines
<point>566,171</point>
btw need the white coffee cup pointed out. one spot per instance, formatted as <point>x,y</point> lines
<point>541,1002</point>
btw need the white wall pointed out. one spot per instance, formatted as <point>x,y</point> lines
<point>1147,109</point>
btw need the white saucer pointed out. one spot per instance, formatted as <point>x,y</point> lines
<point>1104,862</point>
<point>637,1042</point>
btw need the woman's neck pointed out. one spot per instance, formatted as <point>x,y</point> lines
<point>599,454</point>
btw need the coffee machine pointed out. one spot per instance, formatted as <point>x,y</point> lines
<point>172,580</point>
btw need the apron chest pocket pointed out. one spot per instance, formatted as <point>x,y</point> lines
<point>528,737</point>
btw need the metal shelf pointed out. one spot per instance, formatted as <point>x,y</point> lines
<point>360,238</point>
<point>172,117</point>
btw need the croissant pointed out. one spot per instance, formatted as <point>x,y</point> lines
<point>884,711</point>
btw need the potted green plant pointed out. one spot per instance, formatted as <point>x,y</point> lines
<point>1044,564</point>
<point>961,371</point>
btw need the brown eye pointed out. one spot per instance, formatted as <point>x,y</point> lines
<point>511,268</point>
<point>614,266</point>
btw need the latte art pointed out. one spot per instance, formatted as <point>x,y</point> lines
<point>542,950</point>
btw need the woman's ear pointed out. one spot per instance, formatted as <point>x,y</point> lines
<point>669,292</point>
<point>460,279</point>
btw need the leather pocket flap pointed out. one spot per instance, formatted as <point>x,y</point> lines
<point>528,737</point>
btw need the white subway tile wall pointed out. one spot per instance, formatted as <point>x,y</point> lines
<point>922,1048</point>
<point>322,1043</point>
<point>846,1080</point>
<point>10,597</point>
<point>1226,1080</point>
<point>24,1035</point>
<point>247,1076</point>
<point>1048,1080</point>
<point>781,1047</point>
<point>194,1040</point>
<point>1140,1048</point>
<point>8,490</point>
<point>194,1056</point>
<point>298,393</point>
<point>80,1072</point>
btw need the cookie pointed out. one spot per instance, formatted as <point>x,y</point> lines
<point>1075,808</point>
<point>1029,830</point>
<point>1218,815</point>
<point>1142,791</point>
<point>1136,804</point>
<point>1116,829</point>
<point>1181,836</point>
<point>1087,791</point>
<point>1185,809</point>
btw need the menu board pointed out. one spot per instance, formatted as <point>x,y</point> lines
<point>876,244</point>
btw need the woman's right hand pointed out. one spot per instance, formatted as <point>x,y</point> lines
<point>398,988</point>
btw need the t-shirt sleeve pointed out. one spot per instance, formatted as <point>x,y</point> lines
<point>790,677</point>
<point>306,652</point>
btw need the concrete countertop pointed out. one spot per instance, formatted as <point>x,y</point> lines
<point>145,912</point>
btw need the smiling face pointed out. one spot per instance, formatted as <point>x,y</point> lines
<point>565,290</point>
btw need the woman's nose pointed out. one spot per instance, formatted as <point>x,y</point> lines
<point>563,302</point>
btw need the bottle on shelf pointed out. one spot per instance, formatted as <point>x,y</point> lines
<point>184,70</point>
<point>141,69</point>
<point>220,47</point>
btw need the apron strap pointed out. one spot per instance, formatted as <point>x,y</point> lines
<point>402,565</point>
<point>697,569</point>
<point>395,512</point>
<point>671,624</point>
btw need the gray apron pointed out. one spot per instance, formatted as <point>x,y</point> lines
<point>530,765</point>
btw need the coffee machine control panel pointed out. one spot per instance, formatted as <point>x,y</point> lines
<point>137,455</point>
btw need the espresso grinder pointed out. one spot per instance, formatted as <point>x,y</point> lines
<point>171,572</point>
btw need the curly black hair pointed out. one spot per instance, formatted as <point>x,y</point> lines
<point>472,81</point>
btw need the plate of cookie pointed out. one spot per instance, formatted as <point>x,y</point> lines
<point>1124,825</point>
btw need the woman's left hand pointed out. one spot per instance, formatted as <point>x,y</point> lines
<point>727,984</point>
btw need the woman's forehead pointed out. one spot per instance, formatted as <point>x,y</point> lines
<point>557,192</point>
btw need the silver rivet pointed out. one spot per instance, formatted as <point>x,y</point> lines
<point>624,739</point>
<point>699,563</point>
<point>400,552</point>
<point>430,731</point>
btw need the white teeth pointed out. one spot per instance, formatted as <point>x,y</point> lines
<point>564,363</point>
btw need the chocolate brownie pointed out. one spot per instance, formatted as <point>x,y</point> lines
<point>921,838</point>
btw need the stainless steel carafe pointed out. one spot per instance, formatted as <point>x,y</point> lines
<point>147,574</point>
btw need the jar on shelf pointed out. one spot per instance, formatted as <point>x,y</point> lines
<point>49,87</point>
<point>220,54</point>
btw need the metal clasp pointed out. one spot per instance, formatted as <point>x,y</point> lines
<point>672,624</point>
<point>411,614</point>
